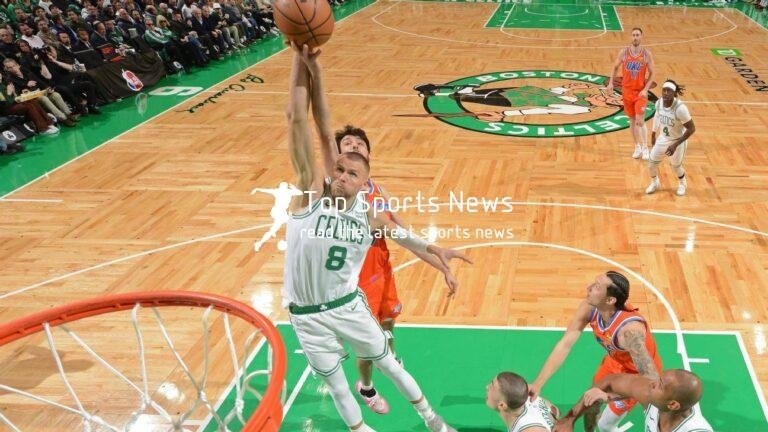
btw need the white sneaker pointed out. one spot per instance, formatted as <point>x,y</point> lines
<point>638,151</point>
<point>50,131</point>
<point>437,424</point>
<point>681,187</point>
<point>646,153</point>
<point>654,186</point>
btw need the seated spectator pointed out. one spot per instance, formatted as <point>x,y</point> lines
<point>190,47</point>
<point>75,86</point>
<point>67,47</point>
<point>182,29</point>
<point>114,34</point>
<point>164,10</point>
<point>38,13</point>
<point>126,24</point>
<point>28,35</point>
<point>92,15</point>
<point>28,58</point>
<point>99,37</point>
<point>46,6</point>
<point>30,109</point>
<point>161,40</point>
<point>75,20</point>
<point>7,46</point>
<point>24,80</point>
<point>45,33</point>
<point>231,32</point>
<point>138,21</point>
<point>235,18</point>
<point>59,26</point>
<point>207,29</point>
<point>23,17</point>
<point>188,9</point>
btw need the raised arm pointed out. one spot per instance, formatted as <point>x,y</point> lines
<point>299,136</point>
<point>562,349</point>
<point>320,110</point>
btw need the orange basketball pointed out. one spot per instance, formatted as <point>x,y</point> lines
<point>307,22</point>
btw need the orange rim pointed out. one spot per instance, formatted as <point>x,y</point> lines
<point>269,414</point>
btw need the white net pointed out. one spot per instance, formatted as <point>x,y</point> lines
<point>136,371</point>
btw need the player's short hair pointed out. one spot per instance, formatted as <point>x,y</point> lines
<point>354,131</point>
<point>638,29</point>
<point>355,156</point>
<point>679,88</point>
<point>618,289</point>
<point>514,389</point>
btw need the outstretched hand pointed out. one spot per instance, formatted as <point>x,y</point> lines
<point>308,55</point>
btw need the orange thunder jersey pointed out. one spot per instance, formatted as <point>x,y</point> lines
<point>633,69</point>
<point>378,254</point>
<point>607,336</point>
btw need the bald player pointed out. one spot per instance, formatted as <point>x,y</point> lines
<point>671,401</point>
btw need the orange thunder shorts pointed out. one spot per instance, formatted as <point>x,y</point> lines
<point>610,366</point>
<point>381,294</point>
<point>633,104</point>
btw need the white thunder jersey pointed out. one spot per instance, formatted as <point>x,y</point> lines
<point>668,122</point>
<point>535,413</point>
<point>693,423</point>
<point>326,249</point>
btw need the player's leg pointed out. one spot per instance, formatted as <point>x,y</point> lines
<point>591,416</point>
<point>325,353</point>
<point>642,130</point>
<point>364,386</point>
<point>629,111</point>
<point>676,160</point>
<point>654,159</point>
<point>369,341</point>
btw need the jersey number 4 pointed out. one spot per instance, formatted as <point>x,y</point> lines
<point>336,257</point>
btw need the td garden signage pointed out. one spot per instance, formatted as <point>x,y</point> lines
<point>528,103</point>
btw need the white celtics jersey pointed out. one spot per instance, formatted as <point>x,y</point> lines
<point>535,413</point>
<point>326,249</point>
<point>668,122</point>
<point>693,423</point>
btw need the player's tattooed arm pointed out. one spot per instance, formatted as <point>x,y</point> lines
<point>632,338</point>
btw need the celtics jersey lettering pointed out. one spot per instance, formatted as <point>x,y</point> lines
<point>534,413</point>
<point>326,249</point>
<point>669,122</point>
<point>693,423</point>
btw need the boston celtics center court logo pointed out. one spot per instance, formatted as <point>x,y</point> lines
<point>535,104</point>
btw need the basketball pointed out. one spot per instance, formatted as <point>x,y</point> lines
<point>307,22</point>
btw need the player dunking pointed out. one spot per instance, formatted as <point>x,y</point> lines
<point>621,331</point>
<point>674,126</point>
<point>328,235</point>
<point>636,62</point>
<point>671,401</point>
<point>376,278</point>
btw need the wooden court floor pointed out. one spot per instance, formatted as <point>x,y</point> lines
<point>168,205</point>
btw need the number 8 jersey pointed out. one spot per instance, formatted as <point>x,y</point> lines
<point>668,122</point>
<point>326,249</point>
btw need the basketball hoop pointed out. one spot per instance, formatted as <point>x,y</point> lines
<point>266,416</point>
